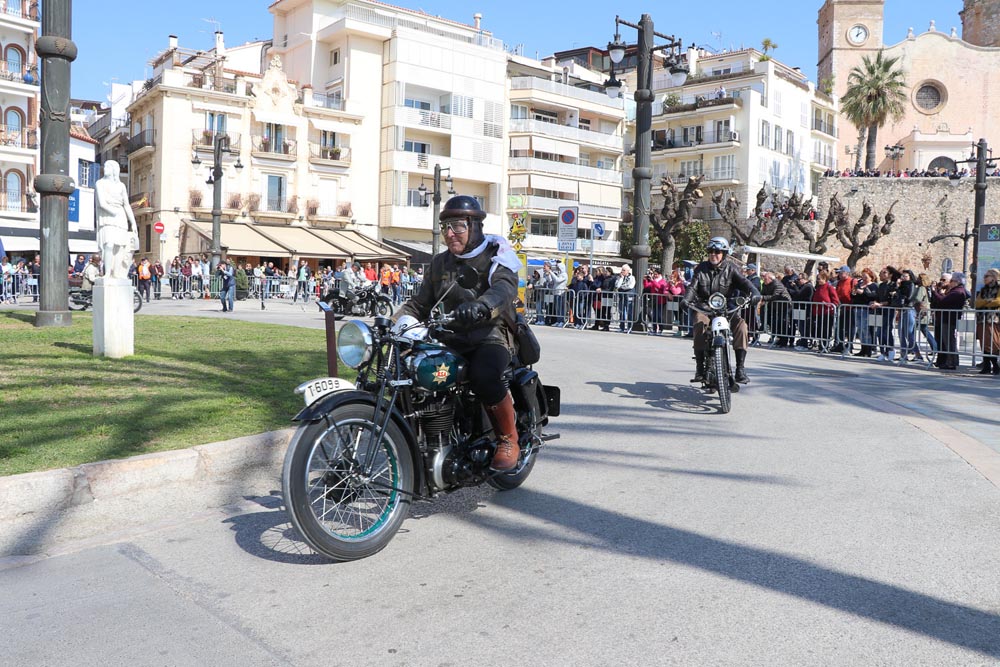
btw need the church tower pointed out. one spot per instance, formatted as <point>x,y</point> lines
<point>848,30</point>
<point>981,22</point>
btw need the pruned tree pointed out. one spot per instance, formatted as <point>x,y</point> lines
<point>760,229</point>
<point>856,239</point>
<point>836,216</point>
<point>674,215</point>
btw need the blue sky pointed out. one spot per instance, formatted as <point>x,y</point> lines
<point>119,48</point>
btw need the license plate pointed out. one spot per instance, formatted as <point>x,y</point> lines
<point>316,389</point>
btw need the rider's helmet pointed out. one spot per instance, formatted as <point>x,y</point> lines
<point>718,243</point>
<point>464,206</point>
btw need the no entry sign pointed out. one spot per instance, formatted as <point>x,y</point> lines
<point>158,227</point>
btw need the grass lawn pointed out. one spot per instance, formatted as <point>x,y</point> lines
<point>192,381</point>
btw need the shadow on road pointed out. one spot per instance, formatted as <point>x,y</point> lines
<point>270,536</point>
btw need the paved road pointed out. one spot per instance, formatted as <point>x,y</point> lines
<point>817,523</point>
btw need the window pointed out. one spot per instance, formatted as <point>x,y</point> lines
<point>416,147</point>
<point>87,174</point>
<point>334,57</point>
<point>414,197</point>
<point>692,135</point>
<point>777,103</point>
<point>215,122</point>
<point>545,116</point>
<point>765,133</point>
<point>543,226</point>
<point>12,183</point>
<point>724,167</point>
<point>584,124</point>
<point>14,59</point>
<point>721,70</point>
<point>417,104</point>
<point>583,232</point>
<point>778,137</point>
<point>275,193</point>
<point>518,111</point>
<point>274,137</point>
<point>928,97</point>
<point>691,168</point>
<point>13,136</point>
<point>722,130</point>
<point>328,146</point>
<point>461,106</point>
<point>790,143</point>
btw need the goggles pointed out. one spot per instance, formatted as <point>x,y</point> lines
<point>455,225</point>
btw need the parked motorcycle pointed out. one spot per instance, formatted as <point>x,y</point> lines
<point>81,299</point>
<point>408,429</point>
<point>368,302</point>
<point>720,361</point>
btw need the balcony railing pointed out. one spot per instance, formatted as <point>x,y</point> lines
<point>694,103</point>
<point>122,160</point>
<point>269,145</point>
<point>23,10</point>
<point>553,204</point>
<point>206,139</point>
<point>277,205</point>
<point>565,132</point>
<point>106,124</point>
<point>16,202</point>
<point>565,169</point>
<point>723,136</point>
<point>428,26</point>
<point>825,128</point>
<point>141,140</point>
<point>557,88</point>
<point>210,82</point>
<point>18,137</point>
<point>680,178</point>
<point>328,101</point>
<point>13,70</point>
<point>340,153</point>
<point>825,160</point>
<point>141,199</point>
<point>423,118</point>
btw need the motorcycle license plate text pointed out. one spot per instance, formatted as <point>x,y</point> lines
<point>316,389</point>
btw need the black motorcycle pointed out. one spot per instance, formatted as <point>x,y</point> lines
<point>407,429</point>
<point>81,299</point>
<point>366,302</point>
<point>719,362</point>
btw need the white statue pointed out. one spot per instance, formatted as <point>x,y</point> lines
<point>117,233</point>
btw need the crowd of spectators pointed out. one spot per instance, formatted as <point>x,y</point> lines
<point>906,173</point>
<point>19,279</point>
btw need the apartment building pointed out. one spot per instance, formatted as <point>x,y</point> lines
<point>19,100</point>
<point>741,122</point>
<point>566,143</point>
<point>285,153</point>
<point>422,91</point>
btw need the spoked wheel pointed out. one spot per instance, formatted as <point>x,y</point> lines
<point>383,307</point>
<point>136,302</point>
<point>529,432</point>
<point>341,507</point>
<point>77,302</point>
<point>720,360</point>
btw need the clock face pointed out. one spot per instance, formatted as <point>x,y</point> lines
<point>857,34</point>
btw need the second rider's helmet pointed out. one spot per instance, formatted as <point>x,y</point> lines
<point>718,243</point>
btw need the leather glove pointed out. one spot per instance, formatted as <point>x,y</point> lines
<point>471,312</point>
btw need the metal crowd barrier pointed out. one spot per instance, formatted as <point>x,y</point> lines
<point>662,313</point>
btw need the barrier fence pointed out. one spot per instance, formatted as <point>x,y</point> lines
<point>15,286</point>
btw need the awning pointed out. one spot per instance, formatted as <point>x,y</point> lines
<point>300,242</point>
<point>788,253</point>
<point>82,246</point>
<point>518,181</point>
<point>219,108</point>
<point>520,143</point>
<point>240,239</point>
<point>357,245</point>
<point>420,251</point>
<point>333,125</point>
<point>275,117</point>
<point>542,182</point>
<point>20,243</point>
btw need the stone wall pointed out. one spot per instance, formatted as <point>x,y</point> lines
<point>981,22</point>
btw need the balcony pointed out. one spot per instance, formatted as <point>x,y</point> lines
<point>120,159</point>
<point>268,147</point>
<point>140,142</point>
<point>707,212</point>
<point>374,17</point>
<point>141,200</point>
<point>105,125</point>
<point>711,176</point>
<point>16,202</point>
<point>18,137</point>
<point>341,154</point>
<point>552,204</point>
<point>328,101</point>
<point>16,72</point>
<point>582,245</point>
<point>420,118</point>
<point>318,213</point>
<point>706,139</point>
<point>566,169</point>
<point>825,161</point>
<point>826,128</point>
<point>21,10</point>
<point>205,81</point>
<point>695,103</point>
<point>205,139</point>
<point>611,141</point>
<point>564,90</point>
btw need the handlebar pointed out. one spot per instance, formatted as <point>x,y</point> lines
<point>741,302</point>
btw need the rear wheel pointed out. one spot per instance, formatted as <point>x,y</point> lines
<point>77,302</point>
<point>720,361</point>
<point>529,431</point>
<point>136,302</point>
<point>340,508</point>
<point>383,307</point>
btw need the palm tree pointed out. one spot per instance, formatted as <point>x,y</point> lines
<point>767,45</point>
<point>874,95</point>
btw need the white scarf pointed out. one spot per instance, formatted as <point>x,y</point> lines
<point>505,254</point>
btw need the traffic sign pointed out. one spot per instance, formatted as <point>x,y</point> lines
<point>158,227</point>
<point>568,222</point>
<point>598,230</point>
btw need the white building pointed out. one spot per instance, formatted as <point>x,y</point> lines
<point>566,140</point>
<point>85,170</point>
<point>19,99</point>
<point>424,91</point>
<point>742,122</point>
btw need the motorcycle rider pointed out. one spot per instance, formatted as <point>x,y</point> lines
<point>717,274</point>
<point>484,314</point>
<point>91,273</point>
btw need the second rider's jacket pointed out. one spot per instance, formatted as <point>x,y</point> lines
<point>726,278</point>
<point>497,289</point>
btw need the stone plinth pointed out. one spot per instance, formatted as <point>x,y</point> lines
<point>114,320</point>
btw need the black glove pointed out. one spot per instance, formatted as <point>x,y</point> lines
<point>471,312</point>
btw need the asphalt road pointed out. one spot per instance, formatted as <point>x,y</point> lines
<point>818,523</point>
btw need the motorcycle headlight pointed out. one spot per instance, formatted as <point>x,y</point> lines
<point>717,301</point>
<point>354,344</point>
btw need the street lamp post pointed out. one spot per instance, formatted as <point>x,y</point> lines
<point>965,237</point>
<point>983,159</point>
<point>895,153</point>
<point>642,173</point>
<point>436,198</point>
<point>221,145</point>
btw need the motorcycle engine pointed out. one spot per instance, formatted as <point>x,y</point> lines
<point>457,461</point>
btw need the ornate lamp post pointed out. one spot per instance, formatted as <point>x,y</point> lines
<point>895,153</point>
<point>642,173</point>
<point>215,180</point>
<point>436,197</point>
<point>982,157</point>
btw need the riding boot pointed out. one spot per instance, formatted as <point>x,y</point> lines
<point>741,373</point>
<point>699,371</point>
<point>505,428</point>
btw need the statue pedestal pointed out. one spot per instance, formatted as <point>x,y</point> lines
<point>114,321</point>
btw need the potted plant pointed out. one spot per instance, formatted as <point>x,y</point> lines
<point>242,285</point>
<point>206,137</point>
<point>344,209</point>
<point>234,201</point>
<point>312,206</point>
<point>194,197</point>
<point>293,205</point>
<point>335,153</point>
<point>253,202</point>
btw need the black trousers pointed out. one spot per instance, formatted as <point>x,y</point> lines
<point>487,364</point>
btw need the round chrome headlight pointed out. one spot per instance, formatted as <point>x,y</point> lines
<point>354,344</point>
<point>717,301</point>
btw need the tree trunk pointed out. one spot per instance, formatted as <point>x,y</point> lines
<point>667,257</point>
<point>857,155</point>
<point>808,270</point>
<point>872,148</point>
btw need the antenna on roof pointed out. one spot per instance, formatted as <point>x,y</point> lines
<point>216,24</point>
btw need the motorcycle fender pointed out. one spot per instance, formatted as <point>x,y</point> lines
<point>329,403</point>
<point>720,341</point>
<point>720,325</point>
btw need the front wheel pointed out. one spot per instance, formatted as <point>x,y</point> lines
<point>78,302</point>
<point>383,307</point>
<point>720,361</point>
<point>342,508</point>
<point>136,302</point>
<point>529,431</point>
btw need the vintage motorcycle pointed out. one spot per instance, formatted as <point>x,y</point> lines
<point>369,302</point>
<point>408,429</point>
<point>720,361</point>
<point>80,299</point>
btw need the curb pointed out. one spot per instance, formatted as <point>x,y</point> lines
<point>57,490</point>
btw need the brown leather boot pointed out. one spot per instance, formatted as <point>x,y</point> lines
<point>505,428</point>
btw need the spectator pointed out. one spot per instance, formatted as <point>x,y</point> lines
<point>673,290</point>
<point>885,296</point>
<point>949,299</point>
<point>35,271</point>
<point>186,276</point>
<point>302,282</point>
<point>533,294</point>
<point>418,278</point>
<point>655,287</point>
<point>396,284</point>
<point>862,295</point>
<point>385,280</point>
<point>625,289</point>
<point>227,287</point>
<point>157,272</point>
<point>7,294</point>
<point>906,296</point>
<point>845,324</point>
<point>824,311</point>
<point>923,307</point>
<point>582,284</point>
<point>790,280</point>
<point>196,276</point>
<point>988,321</point>
<point>802,294</point>
<point>144,276</point>
<point>270,280</point>
<point>91,273</point>
<point>778,302</point>
<point>80,264</point>
<point>604,287</point>
<point>370,274</point>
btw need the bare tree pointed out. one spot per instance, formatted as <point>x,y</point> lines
<point>836,216</point>
<point>760,229</point>
<point>674,215</point>
<point>854,237</point>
